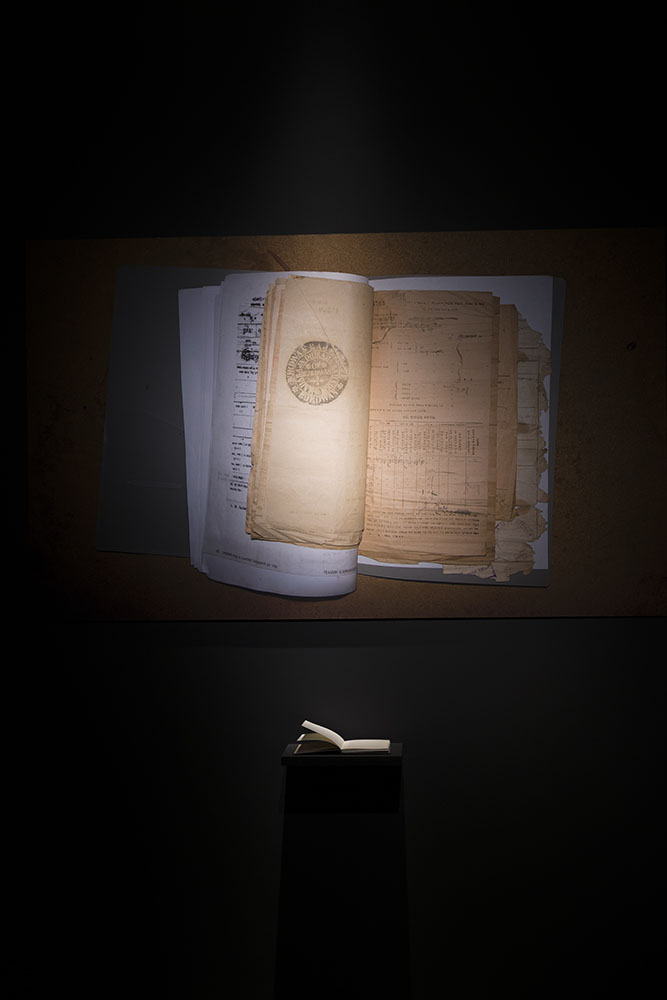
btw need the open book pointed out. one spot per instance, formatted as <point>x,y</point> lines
<point>336,424</point>
<point>321,740</point>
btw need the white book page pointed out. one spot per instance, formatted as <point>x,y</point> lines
<point>533,297</point>
<point>366,745</point>
<point>328,734</point>
<point>225,552</point>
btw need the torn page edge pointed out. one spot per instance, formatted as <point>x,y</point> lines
<point>514,549</point>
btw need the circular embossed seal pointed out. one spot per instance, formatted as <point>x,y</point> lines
<point>317,372</point>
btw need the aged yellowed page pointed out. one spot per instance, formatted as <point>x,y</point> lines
<point>431,476</point>
<point>507,412</point>
<point>513,551</point>
<point>310,429</point>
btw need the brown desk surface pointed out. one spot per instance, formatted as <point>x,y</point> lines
<point>609,551</point>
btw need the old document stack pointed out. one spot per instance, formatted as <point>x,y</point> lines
<point>337,424</point>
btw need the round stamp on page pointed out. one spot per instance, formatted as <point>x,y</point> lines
<point>317,372</point>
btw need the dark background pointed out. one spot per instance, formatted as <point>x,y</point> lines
<point>145,758</point>
<point>302,121</point>
<point>533,782</point>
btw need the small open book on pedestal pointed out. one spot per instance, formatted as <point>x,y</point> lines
<point>322,740</point>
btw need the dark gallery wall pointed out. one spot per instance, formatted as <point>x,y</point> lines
<point>312,122</point>
<point>146,757</point>
<point>530,816</point>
